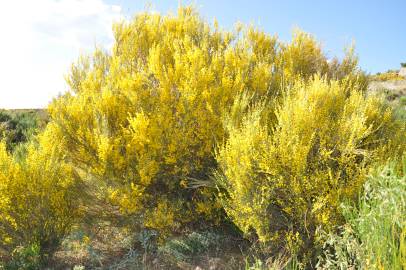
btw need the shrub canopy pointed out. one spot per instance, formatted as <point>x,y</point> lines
<point>39,197</point>
<point>144,118</point>
<point>285,179</point>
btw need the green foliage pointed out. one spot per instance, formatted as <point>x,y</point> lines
<point>341,250</point>
<point>283,180</point>
<point>191,246</point>
<point>18,128</point>
<point>375,236</point>
<point>403,64</point>
<point>400,112</point>
<point>402,101</point>
<point>25,258</point>
<point>257,265</point>
<point>278,263</point>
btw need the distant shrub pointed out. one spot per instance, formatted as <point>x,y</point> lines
<point>282,180</point>
<point>387,76</point>
<point>17,128</point>
<point>4,117</point>
<point>403,65</point>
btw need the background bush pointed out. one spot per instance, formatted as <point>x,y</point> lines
<point>18,127</point>
<point>390,75</point>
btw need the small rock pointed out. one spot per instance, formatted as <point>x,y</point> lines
<point>402,72</point>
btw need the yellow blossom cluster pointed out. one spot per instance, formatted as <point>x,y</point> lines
<point>39,196</point>
<point>144,118</point>
<point>287,178</point>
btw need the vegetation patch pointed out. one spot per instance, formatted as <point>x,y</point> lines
<point>187,146</point>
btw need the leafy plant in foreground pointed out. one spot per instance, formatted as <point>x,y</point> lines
<point>39,198</point>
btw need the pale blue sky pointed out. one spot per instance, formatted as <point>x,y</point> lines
<point>41,38</point>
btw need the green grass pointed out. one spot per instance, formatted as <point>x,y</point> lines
<point>375,234</point>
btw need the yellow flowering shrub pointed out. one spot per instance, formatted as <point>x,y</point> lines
<point>143,118</point>
<point>285,179</point>
<point>39,197</point>
<point>387,76</point>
